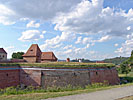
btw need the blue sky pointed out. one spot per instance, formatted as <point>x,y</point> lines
<point>95,29</point>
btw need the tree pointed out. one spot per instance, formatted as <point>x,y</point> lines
<point>124,68</point>
<point>130,60</point>
<point>17,55</point>
<point>125,65</point>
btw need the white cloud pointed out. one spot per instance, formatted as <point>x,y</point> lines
<point>9,50</point>
<point>86,40</point>
<point>127,47</point>
<point>92,18</point>
<point>88,45</point>
<point>7,16</point>
<point>49,43</point>
<point>67,47</point>
<point>39,9</point>
<point>43,32</point>
<point>31,35</point>
<point>129,27</point>
<point>78,40</point>
<point>116,45</point>
<point>104,38</point>
<point>33,24</point>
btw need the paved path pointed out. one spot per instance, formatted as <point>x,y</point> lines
<point>111,94</point>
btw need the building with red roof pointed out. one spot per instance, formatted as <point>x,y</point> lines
<point>34,55</point>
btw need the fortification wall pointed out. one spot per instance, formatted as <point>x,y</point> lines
<point>30,77</point>
<point>68,76</point>
<point>9,76</point>
<point>49,77</point>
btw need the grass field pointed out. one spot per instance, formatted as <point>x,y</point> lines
<point>45,95</point>
<point>60,64</point>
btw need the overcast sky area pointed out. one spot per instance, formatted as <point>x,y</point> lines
<point>90,29</point>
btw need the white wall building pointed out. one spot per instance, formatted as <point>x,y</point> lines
<point>3,54</point>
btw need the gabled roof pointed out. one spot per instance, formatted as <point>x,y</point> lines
<point>34,50</point>
<point>48,56</point>
<point>2,51</point>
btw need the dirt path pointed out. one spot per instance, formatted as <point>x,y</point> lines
<point>111,94</point>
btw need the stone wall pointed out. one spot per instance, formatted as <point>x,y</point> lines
<point>30,77</point>
<point>50,77</point>
<point>65,78</point>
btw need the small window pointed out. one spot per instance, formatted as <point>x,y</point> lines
<point>96,73</point>
<point>6,74</point>
<point>31,50</point>
<point>3,56</point>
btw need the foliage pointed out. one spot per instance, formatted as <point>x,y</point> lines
<point>41,94</point>
<point>125,67</point>
<point>30,89</point>
<point>83,60</point>
<point>117,60</point>
<point>17,55</point>
<point>126,78</point>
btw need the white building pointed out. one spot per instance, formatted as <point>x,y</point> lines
<point>3,54</point>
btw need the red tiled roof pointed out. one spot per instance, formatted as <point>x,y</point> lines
<point>34,50</point>
<point>2,51</point>
<point>48,56</point>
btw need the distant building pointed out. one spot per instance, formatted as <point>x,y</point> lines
<point>48,56</point>
<point>3,54</point>
<point>99,61</point>
<point>68,60</point>
<point>80,60</point>
<point>34,55</point>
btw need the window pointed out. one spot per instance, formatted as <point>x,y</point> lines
<point>96,73</point>
<point>31,50</point>
<point>3,56</point>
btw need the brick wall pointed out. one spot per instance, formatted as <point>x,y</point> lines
<point>109,75</point>
<point>28,76</point>
<point>30,59</point>
<point>9,77</point>
<point>65,78</point>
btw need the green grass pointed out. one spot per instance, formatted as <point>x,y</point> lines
<point>127,98</point>
<point>45,95</point>
<point>61,64</point>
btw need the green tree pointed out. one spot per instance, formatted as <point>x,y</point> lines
<point>130,60</point>
<point>17,55</point>
<point>124,68</point>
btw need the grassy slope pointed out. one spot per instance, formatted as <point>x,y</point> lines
<point>60,64</point>
<point>39,96</point>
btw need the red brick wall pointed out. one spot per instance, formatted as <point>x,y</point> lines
<point>9,78</point>
<point>30,59</point>
<point>47,78</point>
<point>110,75</point>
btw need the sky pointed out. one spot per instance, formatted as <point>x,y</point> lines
<point>90,29</point>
